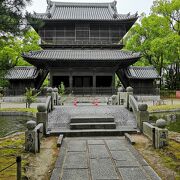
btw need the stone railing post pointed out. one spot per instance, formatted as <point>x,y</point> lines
<point>50,93</point>
<point>142,115</point>
<point>55,96</point>
<point>129,91</point>
<point>31,143</point>
<point>42,116</point>
<point>120,89</point>
<point>114,100</point>
<point>161,134</point>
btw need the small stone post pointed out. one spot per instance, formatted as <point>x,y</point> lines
<point>50,93</point>
<point>142,115</point>
<point>42,116</point>
<point>129,92</point>
<point>161,134</point>
<point>31,143</point>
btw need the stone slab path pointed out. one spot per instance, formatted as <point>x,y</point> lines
<point>100,158</point>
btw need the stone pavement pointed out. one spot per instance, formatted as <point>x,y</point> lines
<point>100,158</point>
<point>59,118</point>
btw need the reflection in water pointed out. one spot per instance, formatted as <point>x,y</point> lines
<point>12,124</point>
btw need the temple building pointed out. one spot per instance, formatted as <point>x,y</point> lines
<point>82,47</point>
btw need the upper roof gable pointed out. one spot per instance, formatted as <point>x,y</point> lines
<point>83,11</point>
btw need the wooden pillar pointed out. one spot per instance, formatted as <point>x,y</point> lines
<point>51,78</point>
<point>94,83</point>
<point>113,83</point>
<point>70,83</point>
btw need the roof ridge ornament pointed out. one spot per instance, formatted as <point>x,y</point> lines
<point>136,14</point>
<point>113,5</point>
<point>48,8</point>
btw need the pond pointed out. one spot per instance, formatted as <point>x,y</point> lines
<point>172,118</point>
<point>12,124</point>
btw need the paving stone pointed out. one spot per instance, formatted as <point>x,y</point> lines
<point>59,118</point>
<point>98,141</point>
<point>76,160</point>
<point>122,156</point>
<point>75,174</point>
<point>137,155</point>
<point>61,156</point>
<point>127,164</point>
<point>103,169</point>
<point>116,145</point>
<point>98,151</point>
<point>76,145</point>
<point>132,173</point>
<point>151,173</point>
<point>55,174</point>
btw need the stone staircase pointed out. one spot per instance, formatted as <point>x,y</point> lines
<point>92,122</point>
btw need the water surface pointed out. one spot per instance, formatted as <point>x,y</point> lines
<point>12,124</point>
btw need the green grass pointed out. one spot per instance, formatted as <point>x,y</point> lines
<point>163,107</point>
<point>9,149</point>
<point>33,110</point>
<point>174,126</point>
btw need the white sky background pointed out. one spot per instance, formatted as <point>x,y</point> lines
<point>123,6</point>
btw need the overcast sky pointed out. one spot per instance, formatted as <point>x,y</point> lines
<point>123,6</point>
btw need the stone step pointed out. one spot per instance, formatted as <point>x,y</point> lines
<point>92,132</point>
<point>108,125</point>
<point>91,119</point>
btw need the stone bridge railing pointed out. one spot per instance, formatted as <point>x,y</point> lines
<point>126,98</point>
<point>156,133</point>
<point>36,130</point>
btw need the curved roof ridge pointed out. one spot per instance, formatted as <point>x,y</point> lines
<point>57,3</point>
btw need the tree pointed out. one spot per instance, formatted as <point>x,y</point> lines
<point>30,97</point>
<point>61,89</point>
<point>12,18</point>
<point>170,9</point>
<point>157,39</point>
<point>12,48</point>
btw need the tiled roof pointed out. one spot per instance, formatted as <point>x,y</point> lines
<point>137,72</point>
<point>22,72</point>
<point>83,11</point>
<point>80,54</point>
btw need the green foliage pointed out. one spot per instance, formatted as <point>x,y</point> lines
<point>30,97</point>
<point>61,89</point>
<point>45,83</point>
<point>117,82</point>
<point>157,37</point>
<point>11,49</point>
<point>11,16</point>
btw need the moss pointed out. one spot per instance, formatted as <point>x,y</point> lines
<point>9,149</point>
<point>170,156</point>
